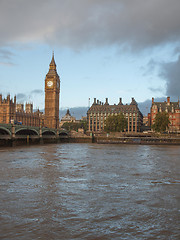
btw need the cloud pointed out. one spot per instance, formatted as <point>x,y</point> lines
<point>150,67</point>
<point>137,24</point>
<point>6,54</point>
<point>170,71</point>
<point>37,91</point>
<point>21,97</point>
<point>29,96</point>
<point>7,63</point>
<point>158,89</point>
<point>6,57</point>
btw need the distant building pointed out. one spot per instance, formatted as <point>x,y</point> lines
<point>99,112</point>
<point>84,118</point>
<point>171,108</point>
<point>145,121</point>
<point>67,118</point>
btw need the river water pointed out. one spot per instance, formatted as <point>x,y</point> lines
<point>90,191</point>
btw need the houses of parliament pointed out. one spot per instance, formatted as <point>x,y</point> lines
<point>12,112</point>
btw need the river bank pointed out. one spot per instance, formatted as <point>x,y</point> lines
<point>146,139</point>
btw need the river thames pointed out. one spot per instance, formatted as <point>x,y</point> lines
<point>90,191</point>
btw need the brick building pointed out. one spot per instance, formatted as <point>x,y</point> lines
<point>99,112</point>
<point>173,110</point>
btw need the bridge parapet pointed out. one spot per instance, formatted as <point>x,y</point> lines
<point>14,131</point>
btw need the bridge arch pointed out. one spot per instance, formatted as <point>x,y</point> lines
<point>26,131</point>
<point>63,134</point>
<point>48,132</point>
<point>4,131</point>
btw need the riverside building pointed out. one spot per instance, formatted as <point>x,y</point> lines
<point>11,112</point>
<point>99,112</point>
<point>171,108</point>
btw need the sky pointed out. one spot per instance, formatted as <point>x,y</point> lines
<point>102,49</point>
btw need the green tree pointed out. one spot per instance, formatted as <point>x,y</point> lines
<point>161,122</point>
<point>75,125</point>
<point>116,123</point>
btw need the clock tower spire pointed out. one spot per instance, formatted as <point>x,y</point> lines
<point>52,89</point>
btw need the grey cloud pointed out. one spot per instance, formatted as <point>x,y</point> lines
<point>150,67</point>
<point>158,89</point>
<point>6,54</point>
<point>37,91</point>
<point>138,24</point>
<point>171,73</point>
<point>176,50</point>
<point>21,97</point>
<point>6,57</point>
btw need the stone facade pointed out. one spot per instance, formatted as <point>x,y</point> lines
<point>173,110</point>
<point>10,112</point>
<point>52,89</point>
<point>99,112</point>
<point>7,109</point>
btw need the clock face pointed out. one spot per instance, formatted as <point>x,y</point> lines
<point>49,83</point>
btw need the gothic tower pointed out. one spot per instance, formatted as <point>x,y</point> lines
<point>52,89</point>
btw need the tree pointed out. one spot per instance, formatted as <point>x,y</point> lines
<point>75,125</point>
<point>116,123</point>
<point>161,122</point>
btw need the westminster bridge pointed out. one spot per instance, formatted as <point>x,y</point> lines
<point>11,133</point>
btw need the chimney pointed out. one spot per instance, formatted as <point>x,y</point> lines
<point>120,100</point>
<point>0,97</point>
<point>168,100</point>
<point>152,100</point>
<point>106,100</point>
<point>98,102</point>
<point>94,100</point>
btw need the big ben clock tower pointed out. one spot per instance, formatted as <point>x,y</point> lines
<point>52,89</point>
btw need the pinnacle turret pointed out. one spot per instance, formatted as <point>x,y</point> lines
<point>52,65</point>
